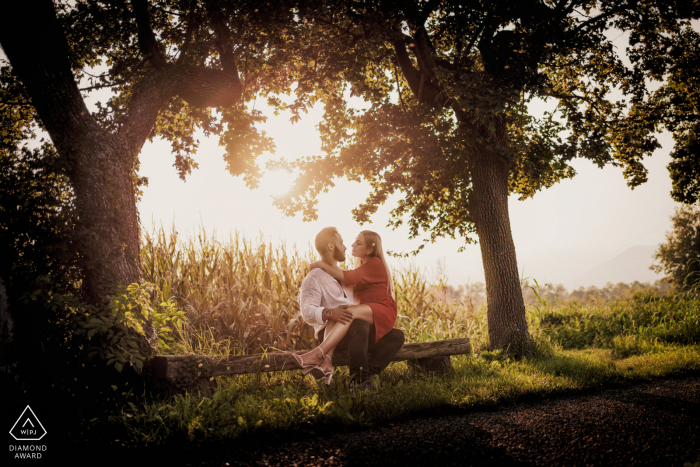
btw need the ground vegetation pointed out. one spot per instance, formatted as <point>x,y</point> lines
<point>69,205</point>
<point>641,334</point>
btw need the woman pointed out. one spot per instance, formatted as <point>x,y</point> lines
<point>375,290</point>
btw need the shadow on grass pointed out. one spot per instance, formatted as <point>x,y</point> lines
<point>594,368</point>
<point>284,407</point>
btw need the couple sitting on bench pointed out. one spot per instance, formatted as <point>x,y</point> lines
<point>360,319</point>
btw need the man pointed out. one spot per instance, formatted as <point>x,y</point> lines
<point>325,299</point>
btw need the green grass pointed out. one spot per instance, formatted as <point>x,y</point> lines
<point>228,289</point>
<point>629,327</point>
<point>259,403</point>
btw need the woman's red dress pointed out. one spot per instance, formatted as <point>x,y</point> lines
<point>370,283</point>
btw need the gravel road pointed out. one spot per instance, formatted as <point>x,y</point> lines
<point>649,424</point>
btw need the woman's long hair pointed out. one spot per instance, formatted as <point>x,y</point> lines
<point>373,240</point>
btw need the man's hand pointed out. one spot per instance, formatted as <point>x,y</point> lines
<point>340,314</point>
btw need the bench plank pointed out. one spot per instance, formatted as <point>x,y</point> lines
<point>172,366</point>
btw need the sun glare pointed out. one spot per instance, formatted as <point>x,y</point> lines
<point>276,182</point>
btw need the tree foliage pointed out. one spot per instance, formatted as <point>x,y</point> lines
<point>677,103</point>
<point>447,125</point>
<point>36,210</point>
<point>36,230</point>
<point>446,86</point>
<point>679,256</point>
<point>440,77</point>
<point>121,46</point>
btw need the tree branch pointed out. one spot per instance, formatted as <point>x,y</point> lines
<point>597,19</point>
<point>222,40</point>
<point>398,88</point>
<point>424,54</point>
<point>39,57</point>
<point>147,40</point>
<point>99,86</point>
<point>199,86</point>
<point>473,40</point>
<point>422,82</point>
<point>189,32</point>
<point>563,8</point>
<point>118,83</point>
<point>409,72</point>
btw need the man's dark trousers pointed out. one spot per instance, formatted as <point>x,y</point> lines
<point>368,358</point>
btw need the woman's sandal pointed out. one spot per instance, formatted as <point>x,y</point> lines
<point>307,367</point>
<point>318,373</point>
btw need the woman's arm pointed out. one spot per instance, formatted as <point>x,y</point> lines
<point>334,272</point>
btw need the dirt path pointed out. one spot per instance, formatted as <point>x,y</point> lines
<point>650,424</point>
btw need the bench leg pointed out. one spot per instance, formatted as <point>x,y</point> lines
<point>439,365</point>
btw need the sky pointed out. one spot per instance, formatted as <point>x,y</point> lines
<point>558,234</point>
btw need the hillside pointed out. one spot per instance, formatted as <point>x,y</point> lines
<point>630,265</point>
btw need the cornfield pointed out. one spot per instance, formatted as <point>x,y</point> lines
<point>240,297</point>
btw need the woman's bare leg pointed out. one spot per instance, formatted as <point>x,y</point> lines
<point>334,333</point>
<point>314,356</point>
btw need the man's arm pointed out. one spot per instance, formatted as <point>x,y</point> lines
<point>311,309</point>
<point>310,302</point>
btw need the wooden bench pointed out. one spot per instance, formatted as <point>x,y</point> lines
<point>191,372</point>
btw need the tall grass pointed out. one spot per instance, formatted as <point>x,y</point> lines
<point>629,327</point>
<point>241,297</point>
<point>425,313</point>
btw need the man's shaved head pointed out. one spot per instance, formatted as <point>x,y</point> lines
<point>330,236</point>
<point>324,237</point>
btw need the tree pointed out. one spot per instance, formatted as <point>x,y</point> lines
<point>447,86</point>
<point>679,256</point>
<point>166,64</point>
<point>677,102</point>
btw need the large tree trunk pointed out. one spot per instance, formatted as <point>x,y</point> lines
<point>488,205</point>
<point>98,164</point>
<point>105,196</point>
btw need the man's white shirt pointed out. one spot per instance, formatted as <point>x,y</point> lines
<point>320,290</point>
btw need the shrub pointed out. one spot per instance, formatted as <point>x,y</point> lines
<point>679,256</point>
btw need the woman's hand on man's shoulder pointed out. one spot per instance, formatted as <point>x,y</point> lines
<point>316,264</point>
